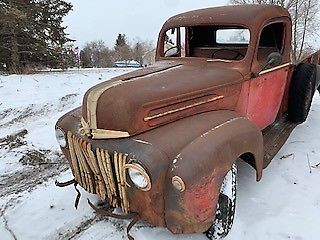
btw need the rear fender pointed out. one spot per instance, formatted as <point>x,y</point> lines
<point>202,166</point>
<point>314,59</point>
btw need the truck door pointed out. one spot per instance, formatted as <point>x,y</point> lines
<point>266,90</point>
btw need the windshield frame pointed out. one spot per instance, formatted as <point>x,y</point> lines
<point>162,37</point>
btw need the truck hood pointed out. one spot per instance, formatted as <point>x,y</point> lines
<point>154,96</point>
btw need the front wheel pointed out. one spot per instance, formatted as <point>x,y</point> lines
<point>226,206</point>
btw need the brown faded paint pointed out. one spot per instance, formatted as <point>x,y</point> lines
<point>187,113</point>
<point>175,88</point>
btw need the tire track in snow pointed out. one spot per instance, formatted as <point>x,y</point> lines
<point>12,116</point>
<point>30,177</point>
<point>80,228</point>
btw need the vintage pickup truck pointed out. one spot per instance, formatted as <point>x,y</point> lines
<point>161,143</point>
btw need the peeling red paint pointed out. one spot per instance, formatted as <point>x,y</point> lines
<point>199,201</point>
<point>265,97</point>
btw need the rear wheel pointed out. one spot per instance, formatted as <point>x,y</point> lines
<point>226,206</point>
<point>302,88</point>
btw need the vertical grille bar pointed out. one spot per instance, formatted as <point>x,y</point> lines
<point>111,176</point>
<point>74,163</point>
<point>87,173</point>
<point>123,185</point>
<point>101,186</point>
<point>116,166</point>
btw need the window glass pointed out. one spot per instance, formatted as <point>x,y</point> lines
<point>171,38</point>
<point>233,36</point>
<point>271,40</point>
<point>174,44</point>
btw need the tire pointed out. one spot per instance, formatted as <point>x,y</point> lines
<point>226,207</point>
<point>302,88</point>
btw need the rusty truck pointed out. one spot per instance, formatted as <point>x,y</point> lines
<point>160,143</point>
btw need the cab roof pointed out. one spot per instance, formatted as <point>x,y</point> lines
<point>251,16</point>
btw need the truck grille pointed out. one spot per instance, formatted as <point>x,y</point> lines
<point>99,171</point>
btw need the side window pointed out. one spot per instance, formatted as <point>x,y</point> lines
<point>271,40</point>
<point>174,43</point>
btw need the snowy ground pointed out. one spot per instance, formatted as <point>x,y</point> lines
<point>284,205</point>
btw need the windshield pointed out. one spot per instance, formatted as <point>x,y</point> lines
<point>212,42</point>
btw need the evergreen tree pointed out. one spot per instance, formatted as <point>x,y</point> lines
<point>122,48</point>
<point>31,34</point>
<point>121,41</point>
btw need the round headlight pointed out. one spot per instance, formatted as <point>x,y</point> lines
<point>61,137</point>
<point>139,176</point>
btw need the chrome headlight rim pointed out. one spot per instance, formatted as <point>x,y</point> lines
<point>137,166</point>
<point>178,183</point>
<point>61,137</point>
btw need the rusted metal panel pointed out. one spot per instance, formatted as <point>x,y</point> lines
<point>194,209</point>
<point>313,58</point>
<point>285,100</point>
<point>265,97</point>
<point>242,104</point>
<point>226,15</point>
<point>191,92</point>
<point>274,136</point>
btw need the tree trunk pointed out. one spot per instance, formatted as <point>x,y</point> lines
<point>295,33</point>
<point>304,29</point>
<point>15,61</point>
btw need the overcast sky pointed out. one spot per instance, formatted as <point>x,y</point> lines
<point>104,20</point>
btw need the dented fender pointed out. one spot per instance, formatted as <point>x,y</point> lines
<point>202,165</point>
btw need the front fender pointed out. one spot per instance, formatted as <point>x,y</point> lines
<point>202,165</point>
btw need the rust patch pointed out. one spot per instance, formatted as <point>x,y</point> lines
<point>200,199</point>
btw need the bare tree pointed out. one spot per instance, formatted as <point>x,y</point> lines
<point>139,49</point>
<point>96,54</point>
<point>305,22</point>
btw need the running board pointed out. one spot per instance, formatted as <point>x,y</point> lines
<point>275,136</point>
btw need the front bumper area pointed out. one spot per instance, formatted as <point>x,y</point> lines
<point>97,166</point>
<point>99,172</point>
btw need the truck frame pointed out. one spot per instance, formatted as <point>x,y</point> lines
<point>161,142</point>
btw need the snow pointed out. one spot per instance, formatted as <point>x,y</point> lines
<point>284,205</point>
<point>35,102</point>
